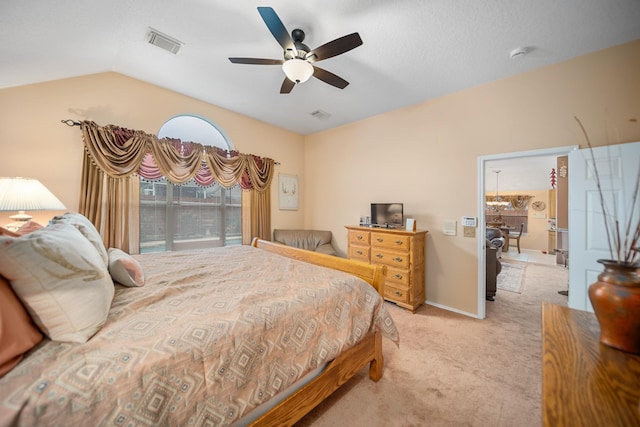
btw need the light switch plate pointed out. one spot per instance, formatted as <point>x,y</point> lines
<point>469,231</point>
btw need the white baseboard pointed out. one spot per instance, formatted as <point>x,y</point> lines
<point>444,307</point>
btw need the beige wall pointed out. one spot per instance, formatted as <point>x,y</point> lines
<point>424,156</point>
<point>35,144</point>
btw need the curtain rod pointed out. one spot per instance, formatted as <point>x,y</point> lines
<point>70,122</point>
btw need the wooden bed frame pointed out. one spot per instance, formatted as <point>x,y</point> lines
<point>347,364</point>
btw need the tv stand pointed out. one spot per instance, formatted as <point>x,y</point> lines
<point>403,252</point>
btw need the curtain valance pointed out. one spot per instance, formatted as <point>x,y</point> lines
<point>120,153</point>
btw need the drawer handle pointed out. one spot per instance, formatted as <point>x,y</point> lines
<point>379,255</point>
<point>359,237</point>
<point>379,239</point>
<point>359,252</point>
<point>398,259</point>
<point>398,242</point>
<point>398,276</point>
<point>398,293</point>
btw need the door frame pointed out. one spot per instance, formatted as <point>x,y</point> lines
<point>482,160</point>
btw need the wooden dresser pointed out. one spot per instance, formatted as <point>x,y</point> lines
<point>584,382</point>
<point>403,252</point>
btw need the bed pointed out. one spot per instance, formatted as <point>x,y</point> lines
<point>201,343</point>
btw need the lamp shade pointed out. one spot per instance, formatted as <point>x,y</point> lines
<point>26,194</point>
<point>297,70</point>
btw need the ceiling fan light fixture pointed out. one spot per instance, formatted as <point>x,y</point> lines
<point>297,70</point>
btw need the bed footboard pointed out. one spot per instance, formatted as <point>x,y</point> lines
<point>372,274</point>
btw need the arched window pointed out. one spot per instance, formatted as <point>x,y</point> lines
<point>195,129</point>
<point>189,216</point>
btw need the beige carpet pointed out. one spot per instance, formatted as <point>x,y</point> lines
<point>453,370</point>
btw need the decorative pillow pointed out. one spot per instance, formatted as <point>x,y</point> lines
<point>87,229</point>
<point>28,227</point>
<point>124,269</point>
<point>61,280</point>
<point>18,334</point>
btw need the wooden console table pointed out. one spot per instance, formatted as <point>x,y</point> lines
<point>585,383</point>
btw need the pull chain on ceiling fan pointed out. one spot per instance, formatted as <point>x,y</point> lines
<point>298,63</point>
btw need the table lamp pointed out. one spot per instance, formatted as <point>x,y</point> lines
<point>25,194</point>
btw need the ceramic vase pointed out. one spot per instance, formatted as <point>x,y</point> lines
<point>615,298</point>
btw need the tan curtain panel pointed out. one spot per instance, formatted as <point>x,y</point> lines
<point>110,183</point>
<point>260,214</point>
<point>111,204</point>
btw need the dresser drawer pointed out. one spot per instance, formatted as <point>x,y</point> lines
<point>390,258</point>
<point>360,253</point>
<point>398,277</point>
<point>390,241</point>
<point>357,237</point>
<point>396,294</point>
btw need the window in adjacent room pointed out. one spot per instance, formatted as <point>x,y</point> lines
<point>189,216</point>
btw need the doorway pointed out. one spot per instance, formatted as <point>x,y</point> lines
<point>484,163</point>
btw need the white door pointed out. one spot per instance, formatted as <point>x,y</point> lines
<point>618,167</point>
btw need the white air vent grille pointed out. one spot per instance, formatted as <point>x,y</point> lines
<point>163,41</point>
<point>319,114</point>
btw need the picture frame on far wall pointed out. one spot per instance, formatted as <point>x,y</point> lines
<point>288,192</point>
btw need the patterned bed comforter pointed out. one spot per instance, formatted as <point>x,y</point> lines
<point>211,335</point>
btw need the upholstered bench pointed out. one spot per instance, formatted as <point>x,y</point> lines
<point>311,240</point>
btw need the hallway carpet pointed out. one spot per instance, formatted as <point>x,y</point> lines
<point>454,370</point>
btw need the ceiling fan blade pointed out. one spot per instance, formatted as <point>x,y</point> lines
<point>335,47</point>
<point>277,28</point>
<point>287,86</point>
<point>329,78</point>
<point>256,61</point>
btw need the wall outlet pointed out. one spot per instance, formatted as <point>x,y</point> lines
<point>469,231</point>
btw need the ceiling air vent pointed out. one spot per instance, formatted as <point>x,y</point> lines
<point>319,114</point>
<point>163,41</point>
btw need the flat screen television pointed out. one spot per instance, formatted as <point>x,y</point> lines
<point>388,215</point>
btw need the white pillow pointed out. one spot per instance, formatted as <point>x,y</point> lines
<point>124,269</point>
<point>87,229</point>
<point>61,279</point>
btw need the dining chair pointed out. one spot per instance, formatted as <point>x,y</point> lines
<point>516,236</point>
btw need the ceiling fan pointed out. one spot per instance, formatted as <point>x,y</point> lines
<point>298,58</point>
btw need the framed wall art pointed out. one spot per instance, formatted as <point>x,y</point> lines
<point>288,192</point>
<point>410,225</point>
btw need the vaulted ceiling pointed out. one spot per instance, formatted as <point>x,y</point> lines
<point>413,50</point>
